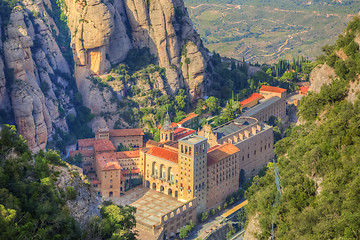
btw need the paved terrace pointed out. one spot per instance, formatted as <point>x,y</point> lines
<point>150,205</point>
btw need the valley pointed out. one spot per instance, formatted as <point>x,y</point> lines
<point>265,33</point>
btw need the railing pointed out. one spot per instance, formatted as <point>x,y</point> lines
<point>183,208</point>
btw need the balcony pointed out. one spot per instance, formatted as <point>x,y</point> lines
<point>155,176</point>
<point>170,181</point>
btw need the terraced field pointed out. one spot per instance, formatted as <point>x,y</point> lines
<point>265,34</point>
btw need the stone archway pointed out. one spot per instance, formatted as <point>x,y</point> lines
<point>110,194</point>
<point>154,186</point>
<point>170,192</point>
<point>176,194</point>
<point>162,189</point>
<point>147,184</point>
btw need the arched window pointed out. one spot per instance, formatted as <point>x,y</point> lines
<point>170,174</point>
<point>162,170</point>
<point>154,169</point>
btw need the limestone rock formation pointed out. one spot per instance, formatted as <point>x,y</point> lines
<point>39,88</point>
<point>31,57</point>
<point>103,32</point>
<point>322,74</point>
<point>4,97</point>
<point>85,205</point>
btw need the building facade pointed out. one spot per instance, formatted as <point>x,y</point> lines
<point>254,139</point>
<point>200,171</point>
<point>270,91</point>
<point>273,106</point>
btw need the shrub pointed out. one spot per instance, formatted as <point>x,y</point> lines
<point>70,193</point>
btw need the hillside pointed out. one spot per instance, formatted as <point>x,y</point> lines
<point>265,31</point>
<point>56,57</point>
<point>42,197</point>
<point>319,162</point>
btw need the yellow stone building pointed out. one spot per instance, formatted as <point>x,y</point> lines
<point>199,171</point>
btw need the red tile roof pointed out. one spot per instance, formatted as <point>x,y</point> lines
<point>183,134</point>
<point>107,161</point>
<point>166,154</point>
<point>102,145</point>
<point>304,89</point>
<point>173,125</point>
<point>179,130</point>
<point>89,142</point>
<point>126,132</point>
<point>253,97</point>
<point>127,154</point>
<point>191,116</point>
<point>152,143</point>
<point>127,171</point>
<point>272,89</point>
<point>84,153</point>
<point>220,153</point>
<point>214,147</point>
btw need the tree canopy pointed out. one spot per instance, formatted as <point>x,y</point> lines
<point>319,166</point>
<point>33,207</point>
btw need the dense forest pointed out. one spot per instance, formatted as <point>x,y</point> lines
<point>33,207</point>
<point>319,163</point>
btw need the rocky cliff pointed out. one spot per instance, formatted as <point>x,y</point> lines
<point>322,74</point>
<point>102,33</point>
<point>36,85</point>
<point>33,65</point>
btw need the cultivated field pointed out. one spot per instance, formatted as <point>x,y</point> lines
<point>265,34</point>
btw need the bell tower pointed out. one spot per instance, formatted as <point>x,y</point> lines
<point>193,170</point>
<point>167,131</point>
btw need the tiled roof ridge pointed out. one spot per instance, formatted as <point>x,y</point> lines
<point>126,132</point>
<point>272,89</point>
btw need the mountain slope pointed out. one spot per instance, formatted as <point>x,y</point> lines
<point>319,164</point>
<point>56,57</point>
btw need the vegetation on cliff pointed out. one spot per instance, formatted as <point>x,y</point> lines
<point>344,56</point>
<point>319,163</point>
<point>32,206</point>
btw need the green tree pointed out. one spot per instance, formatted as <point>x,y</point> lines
<point>212,104</point>
<point>118,222</point>
<point>181,100</point>
<point>203,216</point>
<point>228,113</point>
<point>199,107</point>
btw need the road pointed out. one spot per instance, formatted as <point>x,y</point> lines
<point>203,229</point>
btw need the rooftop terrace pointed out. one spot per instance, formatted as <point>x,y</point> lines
<point>261,106</point>
<point>233,126</point>
<point>192,139</point>
<point>150,204</point>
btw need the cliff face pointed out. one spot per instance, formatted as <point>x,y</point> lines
<point>31,57</point>
<point>35,78</point>
<point>322,74</point>
<point>102,33</point>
